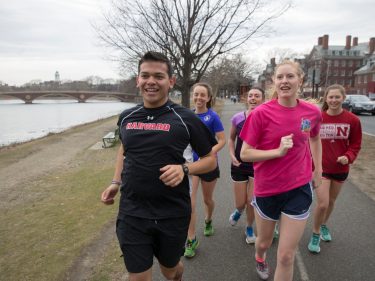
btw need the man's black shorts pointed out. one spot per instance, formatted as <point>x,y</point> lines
<point>141,239</point>
<point>210,176</point>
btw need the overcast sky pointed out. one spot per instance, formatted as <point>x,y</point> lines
<point>40,37</point>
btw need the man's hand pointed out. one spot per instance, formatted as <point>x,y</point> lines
<point>172,175</point>
<point>108,195</point>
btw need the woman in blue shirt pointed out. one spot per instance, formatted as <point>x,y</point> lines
<point>202,98</point>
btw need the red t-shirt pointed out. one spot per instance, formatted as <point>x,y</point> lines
<point>341,136</point>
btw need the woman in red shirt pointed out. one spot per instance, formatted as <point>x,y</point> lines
<point>341,136</point>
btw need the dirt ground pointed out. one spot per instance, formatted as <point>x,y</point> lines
<point>56,152</point>
<point>44,156</point>
<point>362,171</point>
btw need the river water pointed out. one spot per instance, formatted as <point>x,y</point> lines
<point>20,122</point>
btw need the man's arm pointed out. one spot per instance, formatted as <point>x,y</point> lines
<point>110,192</point>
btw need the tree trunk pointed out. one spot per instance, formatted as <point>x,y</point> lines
<point>187,82</point>
<point>185,96</point>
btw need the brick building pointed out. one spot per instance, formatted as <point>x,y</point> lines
<point>265,79</point>
<point>351,65</point>
<point>365,76</point>
<point>336,64</point>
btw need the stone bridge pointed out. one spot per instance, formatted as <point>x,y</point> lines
<point>80,96</point>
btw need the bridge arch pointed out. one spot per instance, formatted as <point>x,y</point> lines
<point>81,96</point>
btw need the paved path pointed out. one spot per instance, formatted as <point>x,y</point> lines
<point>226,257</point>
<point>368,124</point>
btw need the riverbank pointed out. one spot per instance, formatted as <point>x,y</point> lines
<point>50,201</point>
<point>44,155</point>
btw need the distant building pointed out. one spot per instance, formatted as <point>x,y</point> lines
<point>265,79</point>
<point>365,76</point>
<point>336,64</point>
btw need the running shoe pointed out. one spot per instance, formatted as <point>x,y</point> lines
<point>324,233</point>
<point>314,245</point>
<point>190,247</point>
<point>250,236</point>
<point>263,270</point>
<point>234,217</point>
<point>208,228</point>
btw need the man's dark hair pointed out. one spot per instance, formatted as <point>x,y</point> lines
<point>156,56</point>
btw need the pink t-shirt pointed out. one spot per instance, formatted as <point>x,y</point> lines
<point>264,129</point>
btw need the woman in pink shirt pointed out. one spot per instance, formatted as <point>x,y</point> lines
<point>280,137</point>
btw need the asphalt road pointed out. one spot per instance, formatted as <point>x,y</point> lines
<point>226,257</point>
<point>368,123</point>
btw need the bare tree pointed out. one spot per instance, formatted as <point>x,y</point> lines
<point>192,33</point>
<point>280,54</point>
<point>229,72</point>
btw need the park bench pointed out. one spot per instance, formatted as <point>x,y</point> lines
<point>110,139</point>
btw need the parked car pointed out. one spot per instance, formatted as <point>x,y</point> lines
<point>358,104</point>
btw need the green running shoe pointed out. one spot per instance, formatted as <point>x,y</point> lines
<point>314,245</point>
<point>324,233</point>
<point>208,228</point>
<point>190,247</point>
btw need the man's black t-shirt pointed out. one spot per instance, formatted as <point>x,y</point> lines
<point>153,138</point>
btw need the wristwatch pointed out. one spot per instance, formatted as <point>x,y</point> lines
<point>185,169</point>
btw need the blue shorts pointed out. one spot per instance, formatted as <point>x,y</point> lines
<point>141,239</point>
<point>294,203</point>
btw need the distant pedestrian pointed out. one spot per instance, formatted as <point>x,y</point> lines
<point>280,136</point>
<point>155,207</point>
<point>242,173</point>
<point>341,135</point>
<point>202,98</point>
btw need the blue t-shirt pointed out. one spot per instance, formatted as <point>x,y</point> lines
<point>212,121</point>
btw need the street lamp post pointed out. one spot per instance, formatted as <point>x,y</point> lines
<point>313,83</point>
<point>316,80</point>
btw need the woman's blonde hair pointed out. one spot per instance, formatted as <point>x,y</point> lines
<point>294,64</point>
<point>209,91</point>
<point>332,87</point>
